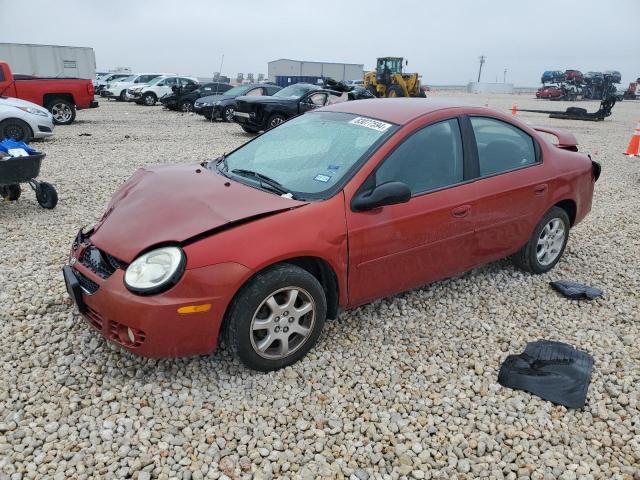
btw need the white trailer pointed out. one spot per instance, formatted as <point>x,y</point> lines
<point>49,60</point>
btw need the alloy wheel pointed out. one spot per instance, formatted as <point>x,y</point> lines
<point>61,112</point>
<point>229,114</point>
<point>550,241</point>
<point>276,121</point>
<point>282,323</point>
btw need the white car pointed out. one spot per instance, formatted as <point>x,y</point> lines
<point>118,89</point>
<point>100,83</point>
<point>150,93</point>
<point>24,121</point>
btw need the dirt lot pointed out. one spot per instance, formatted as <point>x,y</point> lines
<point>405,387</point>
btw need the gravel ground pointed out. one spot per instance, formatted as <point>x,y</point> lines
<point>405,387</point>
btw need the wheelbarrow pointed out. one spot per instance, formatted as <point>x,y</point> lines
<point>17,170</point>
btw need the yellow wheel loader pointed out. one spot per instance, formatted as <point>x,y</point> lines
<point>389,81</point>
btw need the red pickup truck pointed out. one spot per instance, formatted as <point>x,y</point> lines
<point>61,96</point>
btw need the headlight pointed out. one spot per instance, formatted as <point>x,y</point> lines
<point>34,111</point>
<point>155,271</point>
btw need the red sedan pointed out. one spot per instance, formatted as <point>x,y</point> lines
<point>330,210</point>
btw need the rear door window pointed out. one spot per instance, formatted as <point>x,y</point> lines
<point>501,146</point>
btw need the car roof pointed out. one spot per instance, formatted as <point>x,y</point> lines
<point>394,110</point>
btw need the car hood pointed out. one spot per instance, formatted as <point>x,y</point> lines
<point>172,204</point>
<point>16,102</point>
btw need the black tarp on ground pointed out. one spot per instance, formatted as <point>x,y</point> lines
<point>575,290</point>
<point>553,371</point>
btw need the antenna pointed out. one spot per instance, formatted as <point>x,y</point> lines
<point>482,59</point>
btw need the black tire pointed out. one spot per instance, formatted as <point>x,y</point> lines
<point>227,114</point>
<point>149,99</point>
<point>275,120</point>
<point>250,130</point>
<point>63,111</point>
<point>17,129</point>
<point>238,334</point>
<point>46,195</point>
<point>395,91</point>
<point>123,96</point>
<point>527,258</point>
<point>186,106</point>
<point>11,192</point>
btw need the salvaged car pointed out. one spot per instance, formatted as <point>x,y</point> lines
<point>262,113</point>
<point>330,210</point>
<point>222,106</point>
<point>551,92</point>
<point>183,98</point>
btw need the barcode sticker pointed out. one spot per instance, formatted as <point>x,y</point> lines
<point>371,123</point>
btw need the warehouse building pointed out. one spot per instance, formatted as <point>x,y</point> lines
<point>286,71</point>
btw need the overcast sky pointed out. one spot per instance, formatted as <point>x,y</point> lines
<point>442,40</point>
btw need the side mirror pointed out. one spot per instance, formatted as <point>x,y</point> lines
<point>389,193</point>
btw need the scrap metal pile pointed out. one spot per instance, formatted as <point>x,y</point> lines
<point>574,85</point>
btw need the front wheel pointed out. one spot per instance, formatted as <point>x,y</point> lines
<point>16,129</point>
<point>186,106</point>
<point>149,99</point>
<point>227,114</point>
<point>46,195</point>
<point>276,318</point>
<point>63,112</point>
<point>275,120</point>
<point>547,244</point>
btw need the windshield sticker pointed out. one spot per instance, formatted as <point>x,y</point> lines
<point>322,178</point>
<point>371,123</point>
<point>333,167</point>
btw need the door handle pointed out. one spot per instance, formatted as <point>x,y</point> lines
<point>461,211</point>
<point>541,189</point>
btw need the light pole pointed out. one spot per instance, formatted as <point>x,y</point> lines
<point>504,78</point>
<point>482,58</point>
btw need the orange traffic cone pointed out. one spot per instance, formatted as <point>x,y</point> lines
<point>514,110</point>
<point>633,150</point>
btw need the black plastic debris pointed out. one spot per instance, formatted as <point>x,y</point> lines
<point>575,290</point>
<point>553,371</point>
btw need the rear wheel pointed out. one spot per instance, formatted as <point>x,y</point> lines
<point>123,96</point>
<point>11,192</point>
<point>16,129</point>
<point>395,91</point>
<point>63,111</point>
<point>547,244</point>
<point>276,318</point>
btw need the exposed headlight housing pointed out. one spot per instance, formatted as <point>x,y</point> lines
<point>155,271</point>
<point>34,111</point>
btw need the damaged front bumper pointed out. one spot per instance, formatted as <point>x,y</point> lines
<point>153,326</point>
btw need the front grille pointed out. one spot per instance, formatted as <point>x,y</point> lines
<point>102,264</point>
<point>87,284</point>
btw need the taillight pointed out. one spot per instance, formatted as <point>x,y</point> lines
<point>90,89</point>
